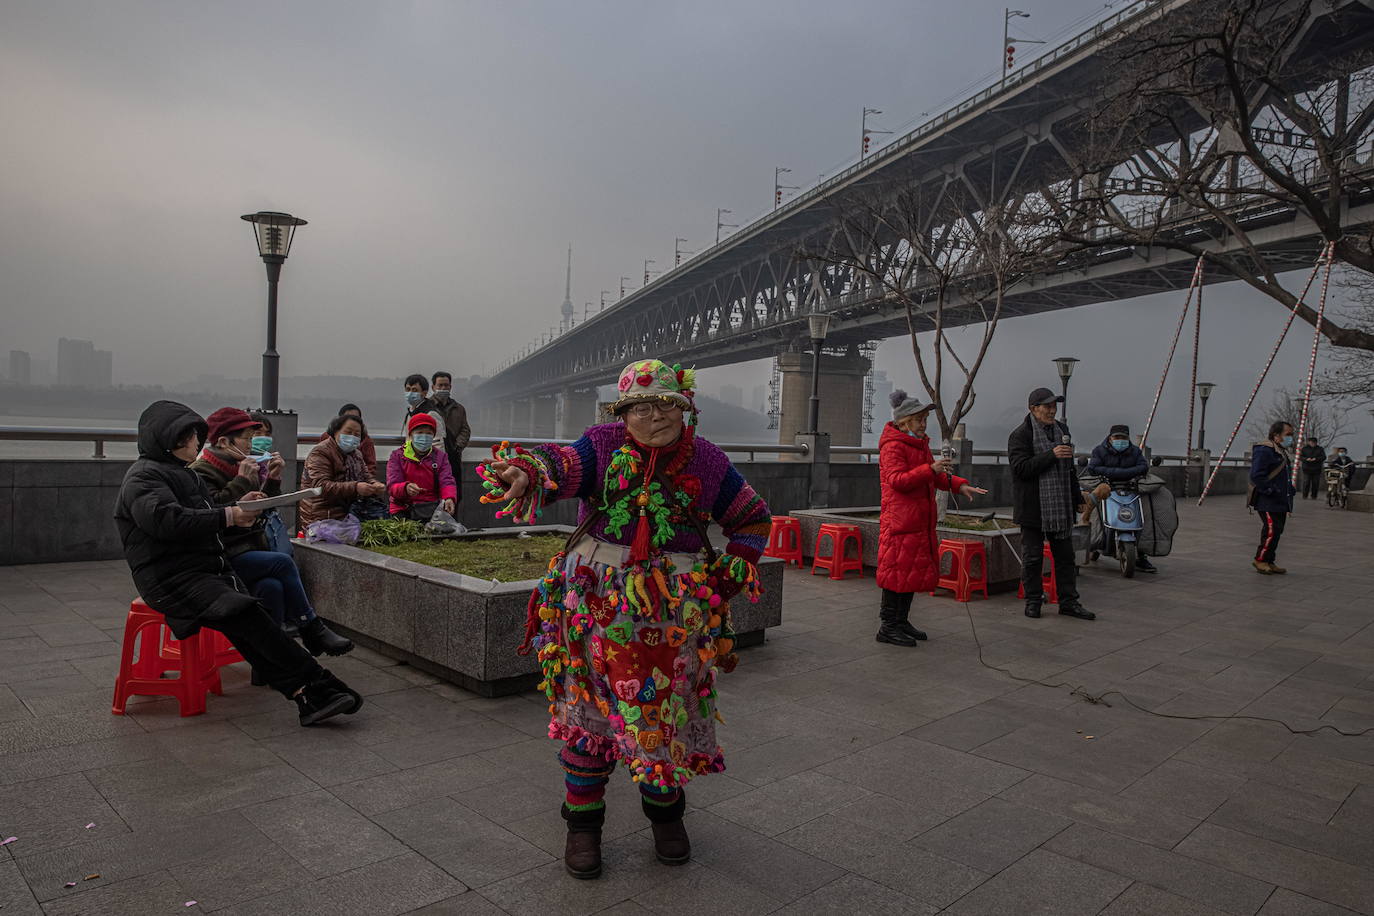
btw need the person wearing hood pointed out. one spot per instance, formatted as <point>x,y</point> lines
<point>908,554</point>
<point>173,541</point>
<point>1045,497</point>
<point>232,473</point>
<point>418,476</point>
<point>1119,459</point>
<point>1272,491</point>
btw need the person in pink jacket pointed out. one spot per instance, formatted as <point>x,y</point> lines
<point>418,476</point>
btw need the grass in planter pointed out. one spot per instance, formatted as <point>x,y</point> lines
<point>506,559</point>
<point>975,523</point>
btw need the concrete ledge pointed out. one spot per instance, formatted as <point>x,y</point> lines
<point>459,627</point>
<point>1361,502</point>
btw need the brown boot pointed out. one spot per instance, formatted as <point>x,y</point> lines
<point>671,844</point>
<point>1277,569</point>
<point>582,854</point>
<point>1262,567</point>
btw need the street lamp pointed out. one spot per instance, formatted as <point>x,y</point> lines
<point>1204,391</point>
<point>721,224</point>
<point>819,323</point>
<point>623,281</point>
<point>274,232</point>
<point>868,132</point>
<point>1065,366</point>
<point>647,262</point>
<point>1007,48</point>
<point>678,251</point>
<point>604,294</point>
<point>779,187</point>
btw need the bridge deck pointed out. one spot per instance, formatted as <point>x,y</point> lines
<point>862,778</point>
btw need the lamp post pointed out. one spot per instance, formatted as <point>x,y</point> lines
<point>721,213</point>
<point>274,232</point>
<point>1065,365</point>
<point>779,187</point>
<point>678,251</point>
<point>647,262</point>
<point>819,323</point>
<point>1008,50</point>
<point>1204,391</point>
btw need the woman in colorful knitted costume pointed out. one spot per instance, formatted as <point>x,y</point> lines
<point>632,621</point>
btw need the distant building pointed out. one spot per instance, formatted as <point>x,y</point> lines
<point>81,365</point>
<point>882,390</point>
<point>758,399</point>
<point>732,395</point>
<point>21,367</point>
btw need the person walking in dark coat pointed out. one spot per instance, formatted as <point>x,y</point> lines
<point>173,541</point>
<point>1045,498</point>
<point>1313,460</point>
<point>1271,476</point>
<point>1119,459</point>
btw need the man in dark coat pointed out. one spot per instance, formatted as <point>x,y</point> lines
<point>172,535</point>
<point>1272,493</point>
<point>1313,459</point>
<point>457,432</point>
<point>1045,498</point>
<point>1119,459</point>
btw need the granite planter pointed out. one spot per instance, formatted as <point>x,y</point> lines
<point>458,627</point>
<point>1004,565</point>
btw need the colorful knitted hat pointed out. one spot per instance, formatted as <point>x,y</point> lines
<point>655,380</point>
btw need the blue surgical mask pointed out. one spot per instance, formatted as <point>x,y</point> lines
<point>348,443</point>
<point>413,398</point>
<point>262,445</point>
<point>422,441</point>
<point>1287,441</point>
<point>1121,444</point>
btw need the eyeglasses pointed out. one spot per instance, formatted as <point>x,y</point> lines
<point>647,408</point>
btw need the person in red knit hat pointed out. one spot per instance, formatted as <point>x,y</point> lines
<point>419,478</point>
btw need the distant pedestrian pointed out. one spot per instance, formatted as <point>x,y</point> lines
<point>1344,463</point>
<point>1272,492</point>
<point>455,419</point>
<point>1313,459</point>
<point>908,555</point>
<point>418,477</point>
<point>1045,498</point>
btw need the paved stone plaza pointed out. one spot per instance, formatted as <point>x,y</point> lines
<point>862,778</point>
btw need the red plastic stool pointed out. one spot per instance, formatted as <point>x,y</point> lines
<point>1049,584</point>
<point>221,649</point>
<point>140,673</point>
<point>840,538</point>
<point>961,580</point>
<point>784,540</point>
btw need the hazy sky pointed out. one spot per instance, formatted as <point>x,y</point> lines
<point>445,154</point>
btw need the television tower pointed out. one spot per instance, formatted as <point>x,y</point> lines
<point>567,308</point>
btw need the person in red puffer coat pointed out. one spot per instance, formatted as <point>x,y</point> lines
<point>907,555</point>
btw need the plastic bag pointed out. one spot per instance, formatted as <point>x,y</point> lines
<point>441,523</point>
<point>335,531</point>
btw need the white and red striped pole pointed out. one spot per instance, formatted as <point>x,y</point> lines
<point>1178,332</point>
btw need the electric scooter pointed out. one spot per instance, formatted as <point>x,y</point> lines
<point>1122,522</point>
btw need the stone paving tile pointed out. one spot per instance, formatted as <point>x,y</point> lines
<point>1197,881</point>
<point>1144,900</point>
<point>403,788</point>
<point>327,757</point>
<point>1043,883</point>
<point>53,812</point>
<point>393,886</point>
<point>854,894</point>
<point>1113,813</point>
<point>993,835</point>
<point>154,893</point>
<point>15,896</point>
<point>1290,903</point>
<point>788,803</point>
<point>462,842</point>
<point>1265,860</point>
<point>777,869</point>
<point>468,903</point>
<point>322,833</point>
<point>235,875</point>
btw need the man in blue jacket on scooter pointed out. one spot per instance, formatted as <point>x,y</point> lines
<point>1120,459</point>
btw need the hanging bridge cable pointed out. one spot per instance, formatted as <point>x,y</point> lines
<point>1197,339</point>
<point>1312,358</point>
<point>1178,332</point>
<point>1323,258</point>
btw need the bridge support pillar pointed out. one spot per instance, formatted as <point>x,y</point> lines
<point>521,411</point>
<point>841,393</point>
<point>542,417</point>
<point>576,411</point>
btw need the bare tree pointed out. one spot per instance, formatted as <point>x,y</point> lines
<point>948,261</point>
<point>1326,422</point>
<point>1351,380</point>
<point>1222,117</point>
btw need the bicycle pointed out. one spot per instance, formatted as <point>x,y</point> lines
<point>1337,492</point>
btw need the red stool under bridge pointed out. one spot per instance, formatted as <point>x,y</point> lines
<point>966,559</point>
<point>841,536</point>
<point>784,540</point>
<point>1049,584</point>
<point>149,652</point>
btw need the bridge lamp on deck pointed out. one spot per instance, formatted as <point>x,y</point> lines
<point>1065,366</point>
<point>274,233</point>
<point>819,325</point>
<point>1204,391</point>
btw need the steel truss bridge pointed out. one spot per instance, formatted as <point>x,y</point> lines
<point>748,296</point>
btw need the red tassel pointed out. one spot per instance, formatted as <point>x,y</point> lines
<point>639,548</point>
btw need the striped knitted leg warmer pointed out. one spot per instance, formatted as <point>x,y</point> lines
<point>585,776</point>
<point>662,805</point>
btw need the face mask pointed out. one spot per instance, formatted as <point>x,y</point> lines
<point>262,444</point>
<point>348,443</point>
<point>1287,441</point>
<point>413,398</point>
<point>442,394</point>
<point>1120,444</point>
<point>422,441</point>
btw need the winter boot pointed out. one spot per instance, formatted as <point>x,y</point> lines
<point>1071,608</point>
<point>1033,605</point>
<point>582,852</point>
<point>671,843</point>
<point>903,618</point>
<point>1277,570</point>
<point>1262,567</point>
<point>325,697</point>
<point>319,639</point>
<point>889,631</point>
